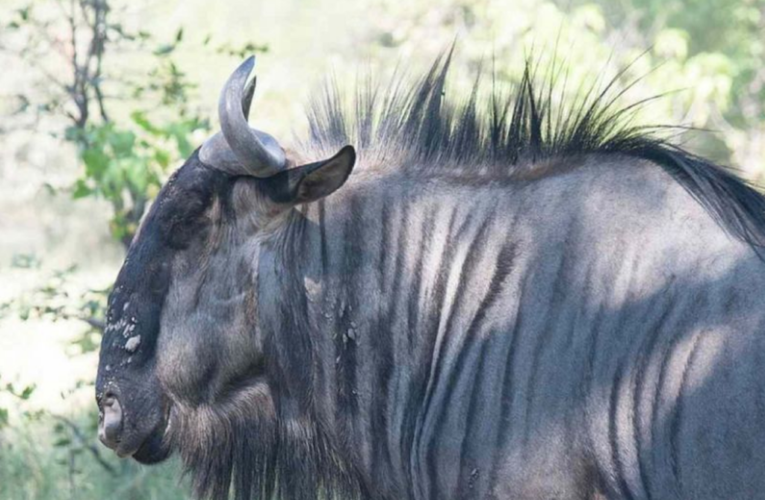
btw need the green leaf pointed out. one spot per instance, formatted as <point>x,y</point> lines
<point>96,162</point>
<point>61,442</point>
<point>164,50</point>
<point>162,157</point>
<point>112,182</point>
<point>140,119</point>
<point>179,35</point>
<point>122,143</point>
<point>81,190</point>
<point>27,392</point>
<point>137,174</point>
<point>180,132</point>
<point>73,134</point>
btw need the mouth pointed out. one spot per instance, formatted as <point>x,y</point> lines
<point>154,449</point>
<point>144,439</point>
<point>150,448</point>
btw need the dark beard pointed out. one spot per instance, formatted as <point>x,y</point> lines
<point>259,455</point>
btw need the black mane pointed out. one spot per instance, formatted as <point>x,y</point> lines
<point>423,129</point>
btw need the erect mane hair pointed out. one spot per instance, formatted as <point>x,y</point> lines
<point>421,130</point>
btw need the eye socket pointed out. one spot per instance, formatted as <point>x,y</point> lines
<point>181,233</point>
<point>185,207</point>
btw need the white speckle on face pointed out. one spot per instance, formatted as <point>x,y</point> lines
<point>119,325</point>
<point>108,368</point>
<point>132,343</point>
<point>128,330</point>
<point>312,288</point>
<point>124,307</point>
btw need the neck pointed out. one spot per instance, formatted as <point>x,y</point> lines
<point>362,304</point>
<point>334,333</point>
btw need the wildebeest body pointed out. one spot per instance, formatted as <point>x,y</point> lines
<point>564,318</point>
<point>539,340</point>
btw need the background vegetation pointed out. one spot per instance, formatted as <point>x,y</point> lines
<point>101,99</point>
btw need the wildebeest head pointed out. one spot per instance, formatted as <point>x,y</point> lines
<point>182,344</point>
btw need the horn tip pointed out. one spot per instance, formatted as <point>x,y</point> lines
<point>244,69</point>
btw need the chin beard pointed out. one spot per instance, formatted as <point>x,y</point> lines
<point>245,446</point>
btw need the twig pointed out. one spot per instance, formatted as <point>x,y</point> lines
<point>71,473</point>
<point>86,443</point>
<point>95,323</point>
<point>97,49</point>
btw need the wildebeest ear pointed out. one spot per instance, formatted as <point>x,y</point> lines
<point>314,181</point>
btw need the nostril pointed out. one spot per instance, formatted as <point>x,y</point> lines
<point>110,424</point>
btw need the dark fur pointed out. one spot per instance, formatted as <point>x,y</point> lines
<point>260,457</point>
<point>515,134</point>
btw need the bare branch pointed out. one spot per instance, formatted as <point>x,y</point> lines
<point>95,323</point>
<point>51,78</point>
<point>97,49</point>
<point>86,443</point>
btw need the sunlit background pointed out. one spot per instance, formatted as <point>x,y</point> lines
<point>101,99</point>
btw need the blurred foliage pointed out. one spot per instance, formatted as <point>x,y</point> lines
<point>57,298</point>
<point>54,458</point>
<point>705,56</point>
<point>123,162</point>
<point>126,166</point>
<point>20,393</point>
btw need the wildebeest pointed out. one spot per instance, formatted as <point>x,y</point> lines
<point>501,304</point>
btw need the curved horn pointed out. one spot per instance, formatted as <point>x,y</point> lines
<point>247,97</point>
<point>256,151</point>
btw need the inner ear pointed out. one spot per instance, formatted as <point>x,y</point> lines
<point>313,181</point>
